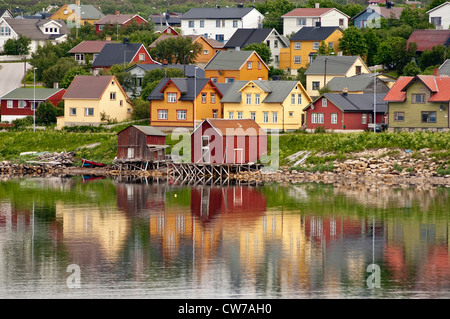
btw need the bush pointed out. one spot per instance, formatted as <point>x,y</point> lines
<point>141,110</point>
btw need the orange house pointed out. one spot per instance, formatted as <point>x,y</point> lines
<point>174,102</point>
<point>230,66</point>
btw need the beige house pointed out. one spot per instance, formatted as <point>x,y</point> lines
<point>324,68</point>
<point>93,100</point>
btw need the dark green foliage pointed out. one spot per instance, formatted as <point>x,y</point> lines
<point>262,49</point>
<point>19,46</point>
<point>45,114</point>
<point>141,109</point>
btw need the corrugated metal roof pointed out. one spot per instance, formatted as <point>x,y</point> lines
<point>427,39</point>
<point>29,93</point>
<point>149,130</point>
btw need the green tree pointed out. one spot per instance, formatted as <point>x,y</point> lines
<point>124,77</point>
<point>352,42</point>
<point>55,73</point>
<point>45,114</point>
<point>411,69</point>
<point>273,10</point>
<point>324,49</point>
<point>141,109</point>
<point>416,18</point>
<point>19,46</point>
<point>47,56</point>
<point>372,43</point>
<point>262,49</point>
<point>148,89</point>
<point>156,75</point>
<point>395,54</point>
<point>435,56</point>
<point>70,75</point>
<point>176,50</point>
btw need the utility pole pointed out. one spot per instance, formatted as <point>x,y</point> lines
<point>325,73</point>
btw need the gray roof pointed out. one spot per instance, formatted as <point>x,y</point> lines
<point>244,37</point>
<point>216,13</point>
<point>29,94</point>
<point>357,102</point>
<point>116,53</point>
<point>444,69</point>
<point>336,65</point>
<point>149,130</point>
<point>228,60</point>
<point>89,12</point>
<point>190,69</point>
<point>185,85</point>
<point>313,33</point>
<point>357,82</point>
<point>278,91</point>
<point>30,28</point>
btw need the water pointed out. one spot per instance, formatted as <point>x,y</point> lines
<point>158,240</point>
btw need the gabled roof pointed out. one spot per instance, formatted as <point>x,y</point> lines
<point>313,33</point>
<point>6,13</point>
<point>86,11</point>
<point>185,85</point>
<point>147,130</point>
<point>383,11</point>
<point>119,18</point>
<point>439,7</point>
<point>354,83</point>
<point>117,53</point>
<point>190,68</point>
<point>356,102</point>
<point>237,127</point>
<point>427,39</point>
<point>30,28</point>
<point>336,65</point>
<point>230,60</point>
<point>444,69</point>
<point>396,93</point>
<point>310,12</point>
<point>213,43</point>
<point>29,94</point>
<point>89,87</point>
<point>89,47</point>
<point>171,18</point>
<point>244,37</point>
<point>216,13</point>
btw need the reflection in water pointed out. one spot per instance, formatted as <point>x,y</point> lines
<point>164,241</point>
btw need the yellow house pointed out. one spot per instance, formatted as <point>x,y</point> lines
<point>174,102</point>
<point>77,14</point>
<point>271,104</point>
<point>92,100</point>
<point>230,66</point>
<point>324,68</point>
<point>304,46</point>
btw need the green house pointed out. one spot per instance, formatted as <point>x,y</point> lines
<point>419,103</point>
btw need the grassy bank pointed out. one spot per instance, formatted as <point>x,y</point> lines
<point>339,146</point>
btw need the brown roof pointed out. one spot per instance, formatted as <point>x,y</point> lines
<point>386,12</point>
<point>214,44</point>
<point>427,39</point>
<point>238,127</point>
<point>89,47</point>
<point>88,86</point>
<point>307,12</point>
<point>112,19</point>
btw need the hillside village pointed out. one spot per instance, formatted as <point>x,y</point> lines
<point>382,66</point>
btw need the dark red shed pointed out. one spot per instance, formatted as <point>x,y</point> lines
<point>232,141</point>
<point>141,143</point>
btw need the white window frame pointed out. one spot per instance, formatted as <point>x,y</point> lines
<point>297,59</point>
<point>299,99</point>
<point>9,104</point>
<point>266,117</point>
<point>181,115</point>
<point>257,99</point>
<point>231,115</point>
<point>22,104</point>
<point>297,45</point>
<point>171,97</point>
<point>293,99</point>
<point>88,111</point>
<point>248,99</point>
<point>274,117</point>
<point>324,102</point>
<point>253,116</point>
<point>334,117</point>
<point>162,114</point>
<point>316,45</point>
<point>73,111</point>
<point>240,115</point>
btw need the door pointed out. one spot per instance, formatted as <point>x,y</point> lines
<point>238,156</point>
<point>206,152</point>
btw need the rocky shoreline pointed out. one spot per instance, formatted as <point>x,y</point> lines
<point>388,168</point>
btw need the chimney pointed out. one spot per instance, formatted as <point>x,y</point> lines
<point>78,2</point>
<point>317,5</point>
<point>108,39</point>
<point>117,13</point>
<point>344,91</point>
<point>435,72</point>
<point>56,85</point>
<point>126,41</point>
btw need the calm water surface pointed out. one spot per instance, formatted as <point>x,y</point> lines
<point>159,240</point>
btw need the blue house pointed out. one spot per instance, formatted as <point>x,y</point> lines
<point>370,17</point>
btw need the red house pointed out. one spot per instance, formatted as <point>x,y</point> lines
<point>233,141</point>
<point>118,19</point>
<point>141,143</point>
<point>18,103</point>
<point>345,112</point>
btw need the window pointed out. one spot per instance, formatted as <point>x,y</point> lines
<point>259,65</point>
<point>429,117</point>
<point>121,102</point>
<point>112,96</point>
<point>268,43</point>
<point>436,21</point>
<point>79,57</point>
<point>22,104</point>
<point>88,111</point>
<point>297,45</point>
<point>205,52</point>
<point>248,99</point>
<point>358,69</point>
<point>171,97</point>
<point>253,115</point>
<point>257,99</point>
<point>73,111</point>
<point>202,23</point>
<point>418,98</point>
<point>223,23</point>
<point>141,57</point>
<point>331,45</point>
<point>249,65</point>
<point>130,152</point>
<point>291,114</point>
<point>138,81</point>
<point>274,117</point>
<point>231,115</point>
<point>220,37</point>
<point>315,85</point>
<point>364,118</point>
<point>214,80</point>
<point>239,115</point>
<point>399,116</point>
<point>297,59</point>
<point>217,23</point>
<point>9,104</point>
<point>275,44</point>
<point>229,80</point>
<point>324,102</point>
<point>5,31</point>
<point>214,114</point>
<point>235,23</point>
<point>299,99</point>
<point>204,98</point>
<point>315,45</point>
<point>266,117</point>
<point>213,98</point>
<point>191,24</point>
<point>301,21</point>
<point>181,114</point>
<point>65,11</point>
<point>292,98</point>
<point>162,114</point>
<point>333,118</point>
<point>341,22</point>
<point>100,27</point>
<point>317,118</point>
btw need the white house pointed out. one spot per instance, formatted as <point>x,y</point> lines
<point>38,30</point>
<point>440,16</point>
<point>310,17</point>
<point>219,23</point>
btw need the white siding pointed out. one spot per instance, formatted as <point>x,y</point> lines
<point>442,12</point>
<point>330,19</point>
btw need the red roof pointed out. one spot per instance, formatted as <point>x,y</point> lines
<point>307,12</point>
<point>89,47</point>
<point>427,39</point>
<point>438,85</point>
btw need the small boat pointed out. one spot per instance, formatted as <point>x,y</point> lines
<point>88,163</point>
